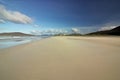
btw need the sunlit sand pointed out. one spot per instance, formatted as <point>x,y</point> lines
<point>63,58</point>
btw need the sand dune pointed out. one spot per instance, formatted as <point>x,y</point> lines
<point>63,58</point>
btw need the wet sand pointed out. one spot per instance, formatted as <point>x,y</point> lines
<point>63,58</point>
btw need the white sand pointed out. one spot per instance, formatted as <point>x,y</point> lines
<point>63,58</point>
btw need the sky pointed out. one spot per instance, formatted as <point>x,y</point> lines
<point>53,16</point>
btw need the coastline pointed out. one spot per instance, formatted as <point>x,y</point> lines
<point>9,42</point>
<point>62,58</point>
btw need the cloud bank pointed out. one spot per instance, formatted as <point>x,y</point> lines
<point>2,21</point>
<point>49,32</point>
<point>110,25</point>
<point>35,25</point>
<point>75,30</point>
<point>107,28</point>
<point>13,16</point>
<point>55,31</point>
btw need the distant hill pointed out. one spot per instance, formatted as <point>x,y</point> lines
<point>115,31</point>
<point>15,34</point>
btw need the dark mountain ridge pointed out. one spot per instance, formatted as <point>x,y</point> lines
<point>15,34</point>
<point>115,31</point>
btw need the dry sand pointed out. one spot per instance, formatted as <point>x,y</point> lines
<point>63,58</point>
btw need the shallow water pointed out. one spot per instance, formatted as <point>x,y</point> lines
<point>6,42</point>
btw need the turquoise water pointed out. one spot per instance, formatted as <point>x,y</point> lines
<point>6,42</point>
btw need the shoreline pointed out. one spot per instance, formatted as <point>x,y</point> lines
<point>21,42</point>
<point>86,39</point>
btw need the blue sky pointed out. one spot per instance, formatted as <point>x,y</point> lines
<point>41,15</point>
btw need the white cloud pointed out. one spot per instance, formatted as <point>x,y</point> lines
<point>107,28</point>
<point>2,21</point>
<point>109,25</point>
<point>75,30</point>
<point>49,32</point>
<point>35,25</point>
<point>37,32</point>
<point>13,16</point>
<point>56,31</point>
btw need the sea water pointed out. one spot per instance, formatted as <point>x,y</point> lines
<point>6,42</point>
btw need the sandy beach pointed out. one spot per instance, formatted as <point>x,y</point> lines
<point>63,58</point>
